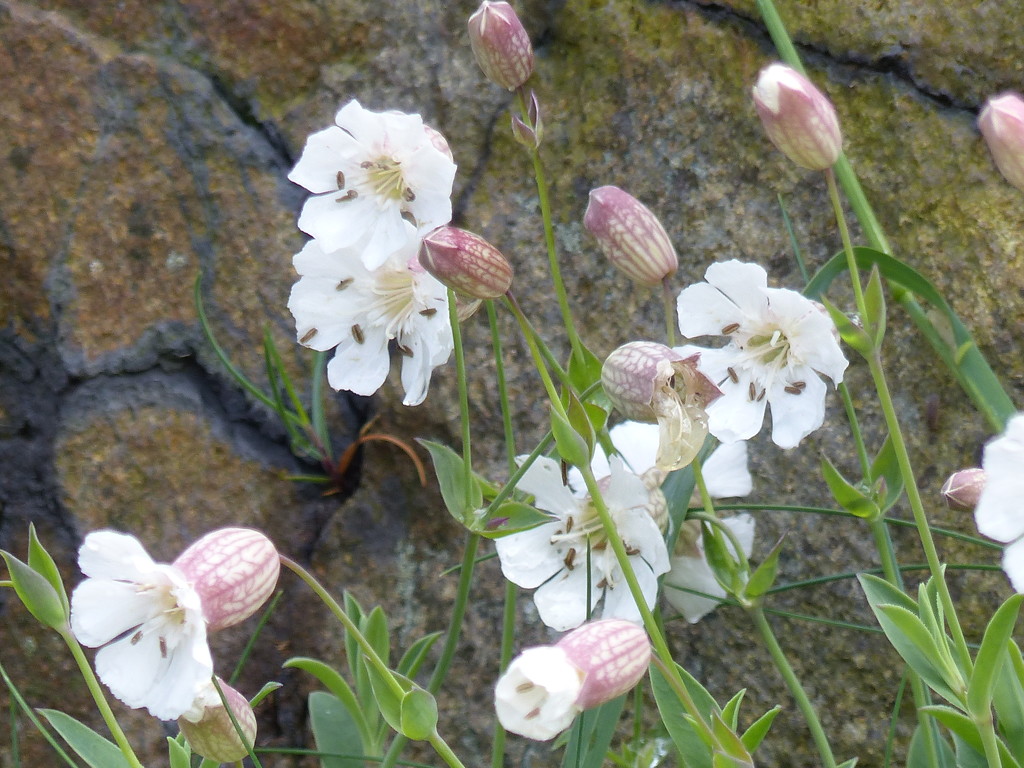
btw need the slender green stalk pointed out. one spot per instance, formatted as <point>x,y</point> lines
<point>234,724</point>
<point>851,259</point>
<point>460,367</point>
<point>549,236</point>
<point>101,702</point>
<point>986,727</point>
<point>444,751</point>
<point>793,683</point>
<point>17,700</point>
<point>669,304</point>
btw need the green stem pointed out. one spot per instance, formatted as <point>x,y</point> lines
<point>460,367</point>
<point>549,236</point>
<point>858,437</point>
<point>986,728</point>
<point>101,702</point>
<point>444,751</point>
<point>851,259</point>
<point>669,304</point>
<point>793,683</point>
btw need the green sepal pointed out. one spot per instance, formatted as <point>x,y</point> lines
<point>37,594</point>
<point>989,661</point>
<point>855,337</point>
<point>754,735</point>
<point>509,517</point>
<point>451,478</point>
<point>94,749</point>
<point>763,577</point>
<point>719,557</point>
<point>573,447</point>
<point>847,495</point>
<point>874,303</point>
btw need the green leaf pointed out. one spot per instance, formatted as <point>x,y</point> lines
<point>694,752</point>
<point>874,301</point>
<point>764,576</point>
<point>573,447</point>
<point>585,371</point>
<point>419,714</point>
<point>334,731</point>
<point>730,742</point>
<point>855,337</point>
<point>849,496</point>
<point>851,763</point>
<point>587,742</point>
<point>957,722</point>
<point>374,627</point>
<point>340,689</point>
<point>720,557</point>
<point>918,755</point>
<point>37,594</point>
<point>267,689</point>
<point>451,477</point>
<point>915,644</point>
<point>754,735</point>
<point>731,710</point>
<point>413,658</point>
<point>886,476</point>
<point>1008,698</point>
<point>389,701</point>
<point>40,561</point>
<point>989,661</point>
<point>178,755</point>
<point>509,517</point>
<point>97,751</point>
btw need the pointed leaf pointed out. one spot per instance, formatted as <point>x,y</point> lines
<point>36,593</point>
<point>693,750</point>
<point>764,576</point>
<point>754,735</point>
<point>587,742</point>
<point>1008,698</point>
<point>40,561</point>
<point>178,755</point>
<point>914,643</point>
<point>731,710</point>
<point>886,476</point>
<point>851,763</point>
<point>989,661</point>
<point>729,741</point>
<point>509,517</point>
<point>573,447</point>
<point>719,556</point>
<point>451,477</point>
<point>375,630</point>
<point>585,371</point>
<point>340,689</point>
<point>334,731</point>
<point>849,496</point>
<point>97,751</point>
<point>854,336</point>
<point>413,658</point>
<point>874,301</point>
<point>918,755</point>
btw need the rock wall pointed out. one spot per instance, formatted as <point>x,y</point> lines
<point>143,144</point>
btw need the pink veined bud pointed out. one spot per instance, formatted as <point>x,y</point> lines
<point>208,727</point>
<point>630,235</point>
<point>963,489</point>
<point>1002,124</point>
<point>501,45</point>
<point>234,571</point>
<point>798,118</point>
<point>614,656</point>
<point>466,263</point>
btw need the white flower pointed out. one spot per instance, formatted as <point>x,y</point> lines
<point>999,513</point>
<point>536,697</point>
<point>338,302</point>
<point>148,619</point>
<point>554,556</point>
<point>371,174</point>
<point>779,342</point>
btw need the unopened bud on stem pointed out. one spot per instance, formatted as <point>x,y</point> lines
<point>501,45</point>
<point>1002,124</point>
<point>208,728</point>
<point>466,263</point>
<point>630,235</point>
<point>798,118</point>
<point>963,489</point>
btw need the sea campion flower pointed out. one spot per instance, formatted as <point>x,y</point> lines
<point>371,175</point>
<point>466,263</point>
<point>545,687</point>
<point>1002,124</point>
<point>148,618</point>
<point>339,303</point>
<point>798,118</point>
<point>501,44</point>
<point>208,728</point>
<point>651,383</point>
<point>778,344</point>
<point>562,557</point>
<point>998,514</point>
<point>630,235</point>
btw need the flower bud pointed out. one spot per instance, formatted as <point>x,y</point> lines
<point>234,571</point>
<point>652,383</point>
<point>613,654</point>
<point>466,263</point>
<point>208,728</point>
<point>501,45</point>
<point>1002,124</point>
<point>963,489</point>
<point>630,235</point>
<point>529,132</point>
<point>798,118</point>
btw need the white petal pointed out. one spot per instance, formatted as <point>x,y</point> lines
<point>704,311</point>
<point>102,609</point>
<point>360,368</point>
<point>692,573</point>
<point>112,555</point>
<point>1013,564</point>
<point>726,471</point>
<point>639,531</point>
<point>544,480</point>
<point>734,416</point>
<point>528,558</point>
<point>618,600</point>
<point>562,602</point>
<point>744,283</point>
<point>326,152</point>
<point>637,443</point>
<point>536,696</point>
<point>796,416</point>
<point>999,514</point>
<point>625,491</point>
<point>743,527</point>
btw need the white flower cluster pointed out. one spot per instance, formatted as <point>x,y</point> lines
<point>380,182</point>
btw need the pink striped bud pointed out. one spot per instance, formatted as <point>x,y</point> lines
<point>234,570</point>
<point>501,45</point>
<point>630,236</point>
<point>208,727</point>
<point>1002,124</point>
<point>466,263</point>
<point>963,489</point>
<point>798,118</point>
<point>613,654</point>
<point>652,383</point>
